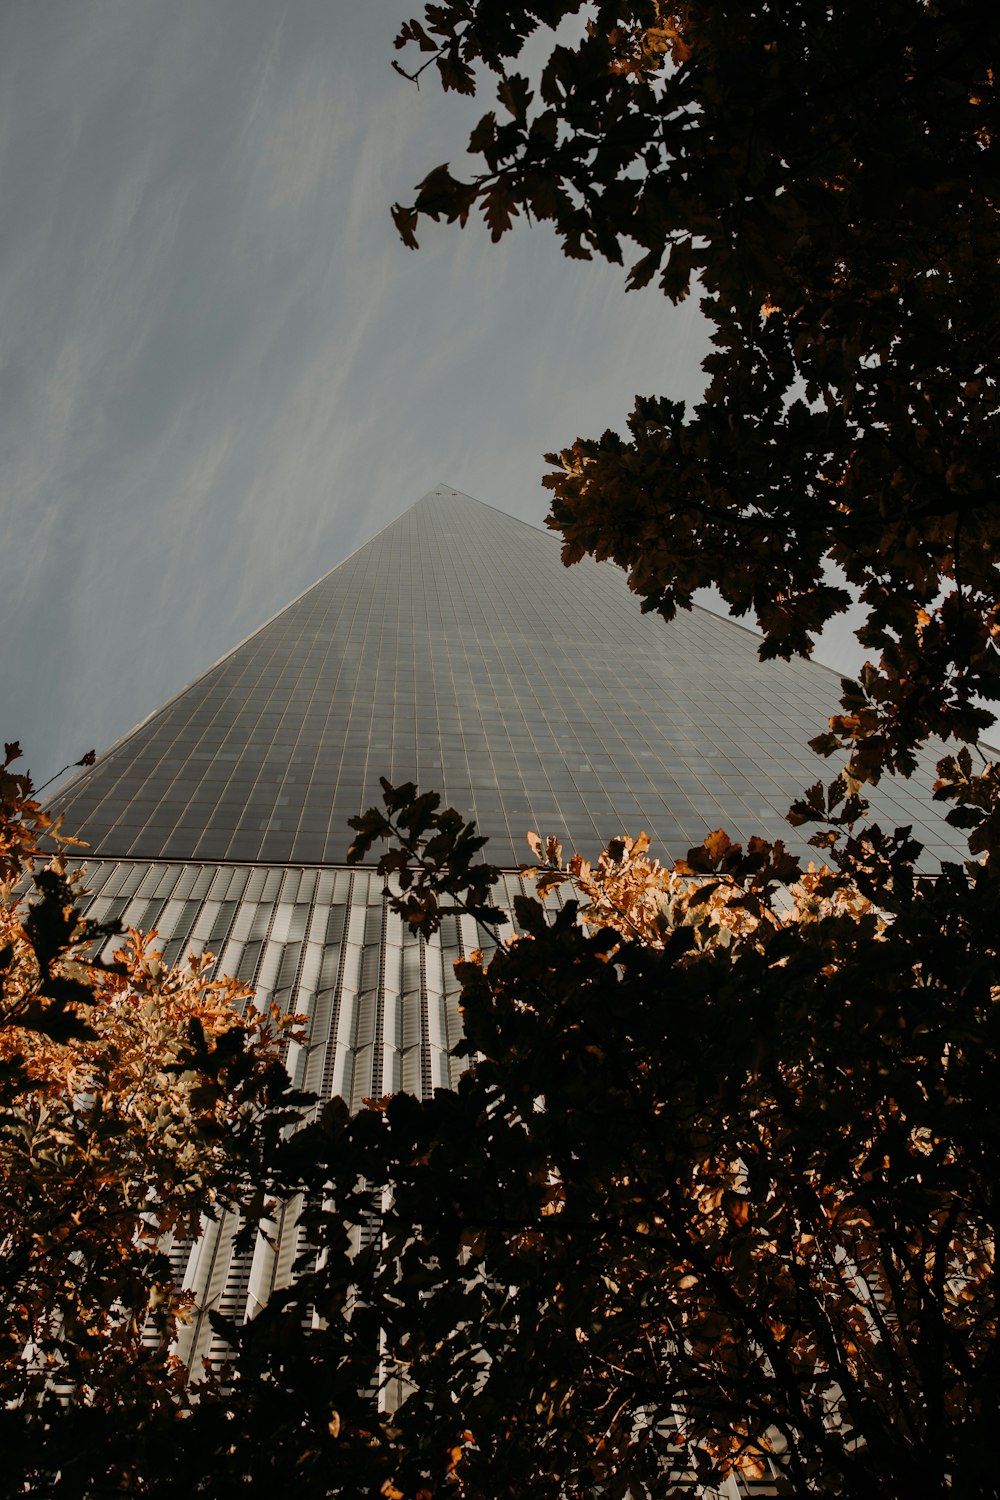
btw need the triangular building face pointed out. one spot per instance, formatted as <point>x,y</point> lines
<point>452,649</point>
<point>455,650</point>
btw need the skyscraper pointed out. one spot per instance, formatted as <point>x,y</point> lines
<point>452,649</point>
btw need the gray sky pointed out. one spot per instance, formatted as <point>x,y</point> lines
<point>220,369</point>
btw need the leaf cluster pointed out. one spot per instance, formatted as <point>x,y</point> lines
<point>716,1194</point>
<point>136,1101</point>
<point>827,177</point>
<point>432,852</point>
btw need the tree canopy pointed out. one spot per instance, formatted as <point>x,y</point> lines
<point>135,1099</point>
<point>825,178</point>
<point>717,1193</point>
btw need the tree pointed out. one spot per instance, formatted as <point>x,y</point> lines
<point>827,177</point>
<point>135,1099</point>
<point>717,1191</point>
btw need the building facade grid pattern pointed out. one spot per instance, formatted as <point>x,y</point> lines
<point>455,650</point>
<point>379,1008</point>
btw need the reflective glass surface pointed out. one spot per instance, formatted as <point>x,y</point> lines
<point>454,649</point>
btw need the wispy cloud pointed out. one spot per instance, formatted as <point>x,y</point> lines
<point>220,369</point>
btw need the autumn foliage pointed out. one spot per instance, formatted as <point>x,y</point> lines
<point>715,1195</point>
<point>718,1191</point>
<point>135,1100</point>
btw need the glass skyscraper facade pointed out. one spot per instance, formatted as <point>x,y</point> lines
<point>453,649</point>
